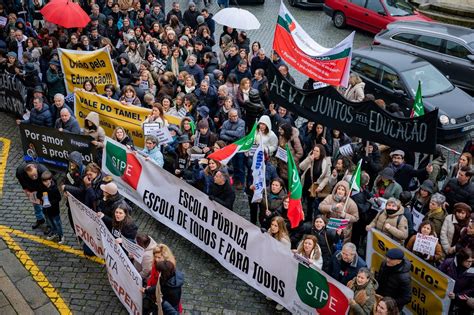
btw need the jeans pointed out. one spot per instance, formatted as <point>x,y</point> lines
<point>55,224</point>
<point>38,212</point>
<point>239,169</point>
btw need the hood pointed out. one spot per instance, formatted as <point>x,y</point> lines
<point>177,281</point>
<point>152,245</point>
<point>266,120</point>
<point>124,56</point>
<point>76,158</point>
<point>18,21</point>
<point>451,104</point>
<point>341,183</point>
<point>93,117</point>
<point>360,84</point>
<point>400,211</point>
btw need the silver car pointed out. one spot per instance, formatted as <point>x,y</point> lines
<point>449,48</point>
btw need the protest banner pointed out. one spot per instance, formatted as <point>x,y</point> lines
<point>12,94</point>
<point>335,224</point>
<point>258,174</point>
<point>425,244</point>
<point>430,287</point>
<point>51,146</point>
<point>160,132</point>
<point>234,242</point>
<point>123,277</point>
<point>281,154</point>
<point>417,219</point>
<point>365,119</point>
<point>79,66</point>
<point>133,249</point>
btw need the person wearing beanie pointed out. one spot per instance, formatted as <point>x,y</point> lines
<point>394,277</point>
<point>452,226</point>
<point>190,16</point>
<point>391,221</point>
<point>421,200</point>
<point>200,20</point>
<point>111,199</point>
<point>436,213</point>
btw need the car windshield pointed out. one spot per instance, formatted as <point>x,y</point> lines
<point>432,81</point>
<point>398,7</point>
<point>471,45</point>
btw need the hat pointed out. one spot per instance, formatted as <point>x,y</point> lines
<point>38,88</point>
<point>175,128</point>
<point>12,54</point>
<point>200,19</point>
<point>109,17</point>
<point>461,206</point>
<point>183,139</point>
<point>110,188</point>
<point>54,62</point>
<point>203,111</point>
<point>186,38</point>
<point>428,186</point>
<point>203,123</point>
<point>94,18</point>
<point>226,39</point>
<point>395,253</point>
<point>387,173</point>
<point>254,96</point>
<point>191,4</point>
<point>398,152</point>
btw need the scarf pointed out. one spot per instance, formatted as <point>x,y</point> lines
<point>174,66</point>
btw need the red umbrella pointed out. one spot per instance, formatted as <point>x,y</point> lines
<point>65,13</point>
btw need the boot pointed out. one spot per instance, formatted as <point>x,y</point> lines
<point>38,224</point>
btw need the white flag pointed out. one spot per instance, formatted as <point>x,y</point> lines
<point>258,173</point>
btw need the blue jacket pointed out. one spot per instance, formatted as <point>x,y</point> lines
<point>155,155</point>
<point>40,117</point>
<point>196,71</point>
<point>348,274</point>
<point>71,126</point>
<point>231,131</point>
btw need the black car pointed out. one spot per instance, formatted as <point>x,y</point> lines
<point>393,76</point>
<point>306,3</point>
<point>450,48</point>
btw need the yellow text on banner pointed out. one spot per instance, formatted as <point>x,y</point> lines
<point>112,114</point>
<point>79,66</point>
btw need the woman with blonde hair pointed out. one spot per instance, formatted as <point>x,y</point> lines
<point>279,231</point>
<point>160,253</point>
<point>147,83</point>
<point>465,159</point>
<point>309,249</point>
<point>189,84</point>
<point>120,135</point>
<point>355,90</point>
<point>129,96</point>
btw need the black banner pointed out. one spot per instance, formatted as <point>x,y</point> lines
<point>52,147</point>
<point>365,120</point>
<point>12,94</point>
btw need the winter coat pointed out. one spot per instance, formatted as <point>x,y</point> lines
<point>399,226</point>
<point>93,194</point>
<point>125,72</point>
<point>307,167</point>
<point>189,18</point>
<point>25,181</point>
<point>70,126</point>
<point>108,206</point>
<point>296,149</point>
<point>355,93</point>
<point>433,259</point>
<point>232,131</point>
<point>73,182</point>
<point>56,112</point>
<point>275,202</point>
<point>55,82</point>
<point>447,232</point>
<point>455,193</point>
<point>317,261</point>
<point>395,282</point>
<point>223,194</point>
<point>364,297</point>
<point>343,276</point>
<point>155,155</point>
<point>40,117</point>
<point>405,173</point>
<point>327,239</point>
<point>144,268</point>
<point>128,230</point>
<point>54,197</point>
<point>196,71</point>
<point>269,140</point>
<point>208,99</point>
<point>464,281</point>
<point>257,63</point>
<point>351,213</point>
<point>99,133</point>
<point>392,190</point>
<point>436,217</point>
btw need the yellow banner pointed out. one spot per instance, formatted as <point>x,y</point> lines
<point>112,113</point>
<point>79,66</point>
<point>430,286</point>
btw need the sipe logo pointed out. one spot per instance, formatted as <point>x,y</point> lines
<point>123,164</point>
<point>291,24</point>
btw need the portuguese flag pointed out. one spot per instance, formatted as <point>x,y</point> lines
<point>295,191</point>
<point>293,44</point>
<point>225,154</point>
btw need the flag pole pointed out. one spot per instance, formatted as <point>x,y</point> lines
<point>359,164</point>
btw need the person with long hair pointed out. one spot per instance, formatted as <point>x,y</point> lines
<point>161,252</point>
<point>288,135</point>
<point>363,286</point>
<point>309,249</point>
<point>121,225</point>
<point>465,160</point>
<point>204,178</point>
<point>426,229</point>
<point>183,159</point>
<point>157,116</point>
<point>129,97</point>
<point>452,227</point>
<point>120,135</point>
<point>387,306</point>
<point>271,203</point>
<point>147,84</point>
<point>145,266</point>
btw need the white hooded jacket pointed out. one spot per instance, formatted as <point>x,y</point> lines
<point>269,140</point>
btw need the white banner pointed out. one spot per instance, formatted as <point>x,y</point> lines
<point>241,247</point>
<point>123,277</point>
<point>425,244</point>
<point>258,173</point>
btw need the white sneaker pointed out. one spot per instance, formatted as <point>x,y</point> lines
<point>61,240</point>
<point>279,307</point>
<point>268,298</point>
<point>52,237</point>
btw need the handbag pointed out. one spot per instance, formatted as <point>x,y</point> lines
<point>313,193</point>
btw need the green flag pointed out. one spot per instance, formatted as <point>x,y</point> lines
<point>418,108</point>
<point>355,182</point>
<point>295,191</point>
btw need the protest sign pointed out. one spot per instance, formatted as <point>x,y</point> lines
<point>281,154</point>
<point>123,277</point>
<point>79,66</point>
<point>112,114</point>
<point>258,174</point>
<point>86,225</point>
<point>430,287</point>
<point>417,219</point>
<point>365,119</point>
<point>133,249</point>
<point>12,94</point>
<point>425,244</point>
<point>337,223</point>
<point>51,146</point>
<point>234,242</point>
<point>157,130</point>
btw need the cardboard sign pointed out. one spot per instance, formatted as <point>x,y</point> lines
<point>162,133</point>
<point>425,244</point>
<point>417,219</point>
<point>281,154</point>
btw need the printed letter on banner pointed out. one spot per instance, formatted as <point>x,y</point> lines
<point>233,241</point>
<point>430,287</point>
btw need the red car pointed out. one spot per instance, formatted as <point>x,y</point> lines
<point>370,15</point>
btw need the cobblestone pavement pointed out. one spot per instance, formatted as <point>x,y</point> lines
<point>209,288</point>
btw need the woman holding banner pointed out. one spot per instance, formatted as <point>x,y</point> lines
<point>309,249</point>
<point>121,224</point>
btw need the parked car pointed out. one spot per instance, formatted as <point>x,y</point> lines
<point>393,76</point>
<point>449,48</point>
<point>370,15</point>
<point>306,3</point>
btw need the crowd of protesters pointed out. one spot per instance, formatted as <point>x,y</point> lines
<point>175,63</point>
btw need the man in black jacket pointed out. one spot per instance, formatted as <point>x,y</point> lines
<point>29,176</point>
<point>460,189</point>
<point>404,172</point>
<point>394,277</point>
<point>111,200</point>
<point>221,191</point>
